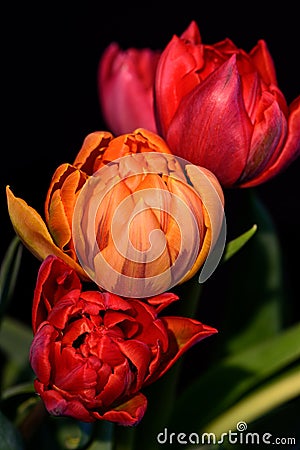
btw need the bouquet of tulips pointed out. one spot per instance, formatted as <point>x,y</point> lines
<point>131,241</point>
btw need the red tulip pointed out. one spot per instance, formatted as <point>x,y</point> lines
<point>93,351</point>
<point>125,85</point>
<point>220,107</point>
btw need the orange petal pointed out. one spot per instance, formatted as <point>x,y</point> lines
<point>33,232</point>
<point>211,193</point>
<point>61,209</point>
<point>93,145</point>
<point>139,141</point>
<point>58,178</point>
<point>156,142</point>
<point>106,210</point>
<point>157,260</point>
<point>161,202</point>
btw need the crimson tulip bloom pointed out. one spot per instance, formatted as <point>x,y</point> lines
<point>94,351</point>
<point>216,106</point>
<point>125,85</point>
<point>220,107</point>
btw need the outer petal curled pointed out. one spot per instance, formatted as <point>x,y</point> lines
<point>33,232</point>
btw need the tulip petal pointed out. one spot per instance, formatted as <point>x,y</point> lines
<point>210,191</point>
<point>93,145</point>
<point>139,354</point>
<point>55,280</point>
<point>289,153</point>
<point>33,232</point>
<point>40,351</point>
<point>129,413</point>
<point>152,330</point>
<point>117,386</point>
<point>183,334</point>
<point>125,80</point>
<point>268,137</point>
<point>56,405</point>
<point>72,372</point>
<point>162,301</point>
<point>263,62</point>
<point>59,206</point>
<point>211,127</point>
<point>176,75</point>
<point>187,332</point>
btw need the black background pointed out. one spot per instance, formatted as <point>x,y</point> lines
<point>50,55</point>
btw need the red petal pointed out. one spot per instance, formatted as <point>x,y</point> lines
<point>176,75</point>
<point>152,329</point>
<point>139,354</point>
<point>161,301</point>
<point>125,81</point>
<point>73,373</point>
<point>183,334</point>
<point>268,137</point>
<point>192,33</point>
<point>290,152</point>
<point>118,385</point>
<point>263,61</point>
<point>58,406</point>
<point>113,301</point>
<point>40,352</point>
<point>129,413</point>
<point>211,127</point>
<point>55,279</point>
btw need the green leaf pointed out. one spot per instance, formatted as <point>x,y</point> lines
<point>280,390</point>
<point>18,389</point>
<point>254,293</point>
<point>15,341</point>
<point>9,435</point>
<point>236,244</point>
<point>224,384</point>
<point>9,271</point>
<point>284,420</point>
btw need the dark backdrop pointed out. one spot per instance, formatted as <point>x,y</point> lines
<point>49,62</point>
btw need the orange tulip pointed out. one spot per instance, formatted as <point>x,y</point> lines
<point>126,211</point>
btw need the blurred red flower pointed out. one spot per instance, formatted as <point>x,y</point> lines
<point>125,86</point>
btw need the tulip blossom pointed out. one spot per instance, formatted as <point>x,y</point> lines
<point>227,102</point>
<point>219,107</point>
<point>93,352</point>
<point>125,84</point>
<point>53,234</point>
<point>155,193</point>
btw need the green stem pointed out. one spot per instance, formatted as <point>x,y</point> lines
<point>189,294</point>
